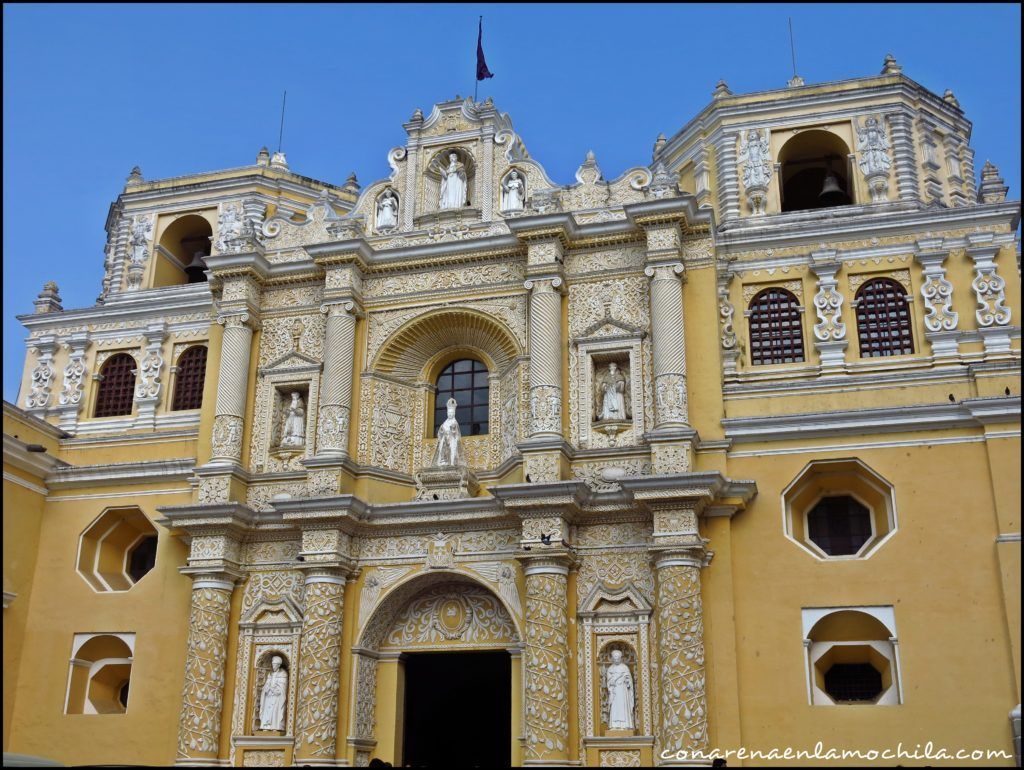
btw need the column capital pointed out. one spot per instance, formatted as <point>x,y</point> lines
<point>342,306</point>
<point>238,318</point>
<point>665,271</point>
<point>546,283</point>
<point>693,555</point>
<point>556,561</point>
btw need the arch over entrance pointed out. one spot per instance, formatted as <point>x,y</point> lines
<point>437,674</point>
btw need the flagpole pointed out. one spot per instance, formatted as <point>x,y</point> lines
<point>476,80</point>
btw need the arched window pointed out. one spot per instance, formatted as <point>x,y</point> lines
<point>776,335</point>
<point>190,378</point>
<point>883,319</point>
<point>117,386</point>
<point>465,381</point>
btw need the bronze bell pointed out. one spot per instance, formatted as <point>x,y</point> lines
<point>831,193</point>
<point>196,269</point>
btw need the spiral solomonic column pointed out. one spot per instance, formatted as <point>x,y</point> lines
<point>546,661</point>
<point>545,356</point>
<point>202,700</point>
<point>232,387</point>
<point>319,663</point>
<point>334,416</point>
<point>683,727</point>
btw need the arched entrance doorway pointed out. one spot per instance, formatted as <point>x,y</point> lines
<point>441,657</point>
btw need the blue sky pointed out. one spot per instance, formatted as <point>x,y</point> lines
<point>92,90</point>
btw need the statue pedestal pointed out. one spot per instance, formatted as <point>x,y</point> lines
<point>612,428</point>
<point>619,733</point>
<point>626,751</point>
<point>446,482</point>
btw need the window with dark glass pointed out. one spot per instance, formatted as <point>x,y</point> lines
<point>776,334</point>
<point>840,526</point>
<point>883,319</point>
<point>116,387</point>
<point>122,694</point>
<point>852,682</point>
<point>465,381</point>
<point>142,558</point>
<point>190,378</point>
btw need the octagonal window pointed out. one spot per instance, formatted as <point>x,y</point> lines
<point>117,550</point>
<point>839,509</point>
<point>840,526</point>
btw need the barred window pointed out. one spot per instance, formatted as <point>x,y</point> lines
<point>190,378</point>
<point>883,319</point>
<point>117,386</point>
<point>776,334</point>
<point>467,382</point>
<point>840,526</point>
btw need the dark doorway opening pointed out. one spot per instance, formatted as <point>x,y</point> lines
<point>458,709</point>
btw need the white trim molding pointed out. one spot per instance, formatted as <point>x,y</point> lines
<point>969,413</point>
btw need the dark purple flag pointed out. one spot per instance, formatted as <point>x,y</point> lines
<point>481,64</point>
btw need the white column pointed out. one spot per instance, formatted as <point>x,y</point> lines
<point>904,157</point>
<point>232,387</point>
<point>667,338</point>
<point>334,417</point>
<point>545,356</point>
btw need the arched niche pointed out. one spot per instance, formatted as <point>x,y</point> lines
<point>805,161</point>
<point>432,179</point>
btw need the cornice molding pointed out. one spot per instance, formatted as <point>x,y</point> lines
<point>970,413</point>
<point>144,472</point>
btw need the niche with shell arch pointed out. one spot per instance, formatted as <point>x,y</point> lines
<point>432,179</point>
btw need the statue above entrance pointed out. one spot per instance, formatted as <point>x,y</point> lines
<point>448,477</point>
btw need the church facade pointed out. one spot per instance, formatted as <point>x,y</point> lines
<point>472,465</point>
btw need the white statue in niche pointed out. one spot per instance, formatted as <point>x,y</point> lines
<point>513,192</point>
<point>621,698</point>
<point>142,231</point>
<point>387,210</point>
<point>273,696</point>
<point>449,440</point>
<point>453,183</point>
<point>611,395</point>
<point>293,432</point>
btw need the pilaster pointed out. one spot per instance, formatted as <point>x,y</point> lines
<point>940,321</point>
<point>147,381</point>
<point>829,331</point>
<point>989,288</point>
<point>72,387</point>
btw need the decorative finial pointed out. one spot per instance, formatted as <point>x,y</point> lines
<point>351,184</point>
<point>489,101</point>
<point>263,157</point>
<point>48,300</point>
<point>795,82</point>
<point>417,115</point>
<point>992,188</point>
<point>279,161</point>
<point>950,98</point>
<point>890,67</point>
<point>721,89</point>
<point>134,178</point>
<point>658,144</point>
<point>590,157</point>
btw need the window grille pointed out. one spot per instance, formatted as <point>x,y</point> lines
<point>190,378</point>
<point>883,319</point>
<point>117,386</point>
<point>840,526</point>
<point>776,333</point>
<point>467,382</point>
